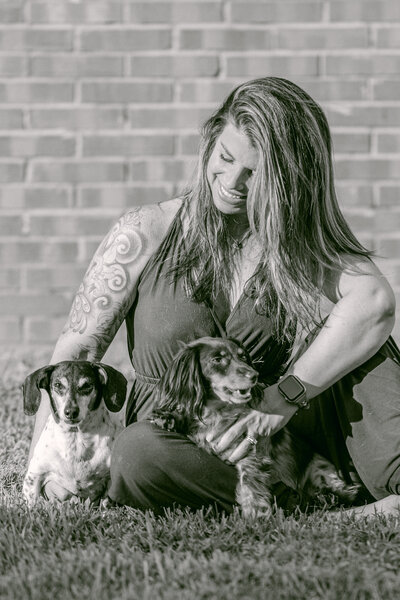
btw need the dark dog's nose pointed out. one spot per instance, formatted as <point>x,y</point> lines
<point>71,412</point>
<point>248,372</point>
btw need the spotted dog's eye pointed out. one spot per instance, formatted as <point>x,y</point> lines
<point>86,390</point>
<point>58,386</point>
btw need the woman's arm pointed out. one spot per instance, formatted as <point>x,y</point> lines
<point>359,323</point>
<point>108,289</point>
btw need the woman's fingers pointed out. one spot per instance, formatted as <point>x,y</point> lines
<point>239,452</point>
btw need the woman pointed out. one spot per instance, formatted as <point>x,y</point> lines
<point>253,249</point>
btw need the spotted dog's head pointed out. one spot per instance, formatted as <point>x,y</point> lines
<point>205,369</point>
<point>75,389</point>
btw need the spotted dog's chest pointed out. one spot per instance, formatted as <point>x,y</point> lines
<point>79,461</point>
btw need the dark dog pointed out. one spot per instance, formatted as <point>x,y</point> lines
<point>207,388</point>
<point>74,449</point>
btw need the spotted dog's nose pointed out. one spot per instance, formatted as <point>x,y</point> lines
<point>71,412</point>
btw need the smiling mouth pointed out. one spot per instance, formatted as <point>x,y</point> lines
<point>227,194</point>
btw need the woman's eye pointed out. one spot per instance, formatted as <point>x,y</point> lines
<point>225,158</point>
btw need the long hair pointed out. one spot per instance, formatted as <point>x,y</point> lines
<point>292,207</point>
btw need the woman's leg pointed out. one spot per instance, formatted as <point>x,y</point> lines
<point>152,468</point>
<point>358,419</point>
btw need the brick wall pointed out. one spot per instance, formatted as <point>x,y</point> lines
<point>100,104</point>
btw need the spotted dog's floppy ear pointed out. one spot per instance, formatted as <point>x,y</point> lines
<point>181,388</point>
<point>114,386</point>
<point>31,387</point>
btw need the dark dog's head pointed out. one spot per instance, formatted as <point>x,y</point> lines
<point>75,388</point>
<point>206,369</point>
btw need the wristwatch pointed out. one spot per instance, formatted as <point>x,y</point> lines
<point>294,392</point>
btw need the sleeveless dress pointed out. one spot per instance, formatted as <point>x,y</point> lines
<point>355,423</point>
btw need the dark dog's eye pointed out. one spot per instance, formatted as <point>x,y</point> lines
<point>220,360</point>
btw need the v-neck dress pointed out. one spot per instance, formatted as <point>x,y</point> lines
<point>162,316</point>
<point>355,423</point>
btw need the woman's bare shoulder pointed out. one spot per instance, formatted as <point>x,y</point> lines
<point>152,221</point>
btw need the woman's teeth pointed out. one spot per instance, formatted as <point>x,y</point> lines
<point>228,194</point>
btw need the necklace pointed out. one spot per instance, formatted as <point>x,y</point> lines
<point>238,243</point>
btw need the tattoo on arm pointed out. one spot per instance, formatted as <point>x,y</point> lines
<point>104,294</point>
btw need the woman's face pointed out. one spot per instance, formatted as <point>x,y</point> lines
<point>230,169</point>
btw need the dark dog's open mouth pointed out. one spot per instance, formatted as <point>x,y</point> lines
<point>239,394</point>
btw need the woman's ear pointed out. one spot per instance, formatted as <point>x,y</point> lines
<point>114,386</point>
<point>31,387</point>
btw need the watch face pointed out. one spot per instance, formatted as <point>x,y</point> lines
<point>291,388</point>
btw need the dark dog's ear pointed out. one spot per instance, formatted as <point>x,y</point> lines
<point>114,386</point>
<point>181,388</point>
<point>31,387</point>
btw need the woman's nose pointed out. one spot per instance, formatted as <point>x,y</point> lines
<point>237,179</point>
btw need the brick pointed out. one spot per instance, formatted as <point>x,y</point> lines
<point>76,118</point>
<point>127,145</point>
<point>77,171</point>
<point>367,168</point>
<point>33,39</point>
<point>11,172</point>
<point>351,141</point>
<point>175,117</point>
<point>43,329</point>
<point>10,225</point>
<point>12,11</point>
<point>10,278</point>
<point>13,66</point>
<point>387,221</point>
<point>388,142</point>
<point>34,198</point>
<point>61,277</point>
<point>364,10</point>
<point>204,91</point>
<point>259,66</point>
<point>334,89</point>
<point>122,197</point>
<point>76,12</point>
<point>225,39</point>
<point>351,195</point>
<point>389,195</point>
<point>318,37</point>
<point>389,247</point>
<point>189,144</point>
<point>34,252</point>
<point>32,304</point>
<point>368,64</point>
<point>295,11</point>
<point>77,65</point>
<point>34,145</point>
<point>70,224</point>
<point>157,169</point>
<point>12,118</point>
<point>174,66</point>
<point>360,221</point>
<point>175,12</point>
<point>359,115</point>
<point>126,40</point>
<point>386,89</point>
<point>123,92</point>
<point>388,37</point>
<point>10,329</point>
<point>32,92</point>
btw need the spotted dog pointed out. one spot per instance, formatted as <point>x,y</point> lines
<point>74,448</point>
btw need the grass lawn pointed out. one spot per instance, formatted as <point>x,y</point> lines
<point>75,551</point>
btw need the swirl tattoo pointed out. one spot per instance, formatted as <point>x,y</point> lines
<point>106,276</point>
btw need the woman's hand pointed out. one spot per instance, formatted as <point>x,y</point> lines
<point>234,443</point>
